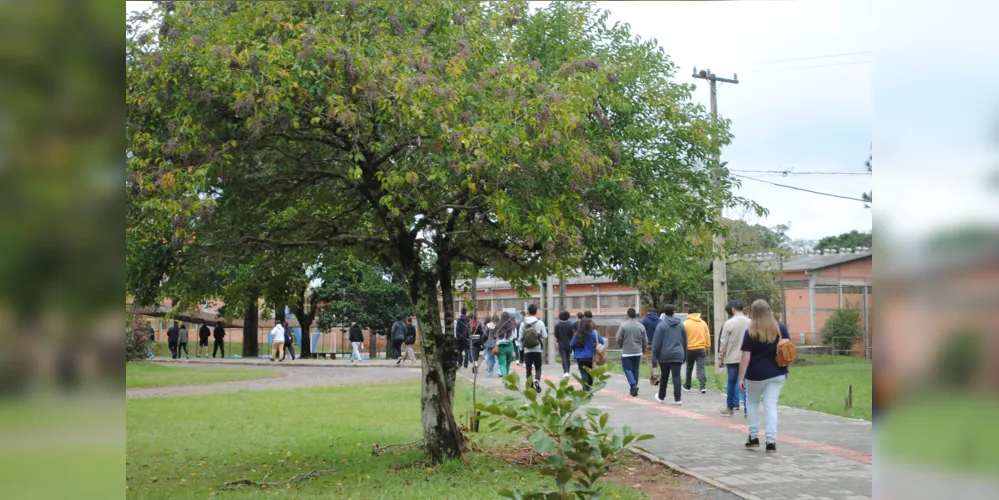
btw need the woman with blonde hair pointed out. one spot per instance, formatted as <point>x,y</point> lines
<point>759,373</point>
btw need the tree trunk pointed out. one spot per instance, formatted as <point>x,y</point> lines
<point>251,347</point>
<point>441,434</point>
<point>305,320</point>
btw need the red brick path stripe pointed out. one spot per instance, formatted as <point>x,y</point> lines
<point>721,422</point>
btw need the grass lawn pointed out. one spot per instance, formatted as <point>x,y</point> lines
<point>821,387</point>
<point>188,447</point>
<point>953,431</point>
<point>154,375</point>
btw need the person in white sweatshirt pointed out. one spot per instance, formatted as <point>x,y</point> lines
<point>532,334</point>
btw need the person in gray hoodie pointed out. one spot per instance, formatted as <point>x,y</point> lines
<point>632,339</point>
<point>669,348</point>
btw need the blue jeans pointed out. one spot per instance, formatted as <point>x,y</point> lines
<point>630,365</point>
<point>770,390</point>
<point>732,389</point>
<point>490,360</point>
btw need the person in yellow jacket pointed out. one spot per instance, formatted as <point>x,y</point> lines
<point>698,343</point>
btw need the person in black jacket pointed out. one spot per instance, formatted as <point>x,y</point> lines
<point>461,339</point>
<point>203,334</point>
<point>356,339</point>
<point>219,335</point>
<point>564,330</point>
<point>289,343</point>
<point>172,334</point>
<point>410,339</point>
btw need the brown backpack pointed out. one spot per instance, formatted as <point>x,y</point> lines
<point>599,352</point>
<point>786,352</point>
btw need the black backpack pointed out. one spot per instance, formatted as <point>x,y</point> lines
<point>398,331</point>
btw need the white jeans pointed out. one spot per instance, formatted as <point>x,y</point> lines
<point>356,354</point>
<point>770,390</point>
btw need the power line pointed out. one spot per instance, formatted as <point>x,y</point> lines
<point>810,58</point>
<point>805,67</point>
<point>785,173</point>
<point>800,189</point>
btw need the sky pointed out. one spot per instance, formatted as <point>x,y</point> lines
<point>803,102</point>
<point>809,101</point>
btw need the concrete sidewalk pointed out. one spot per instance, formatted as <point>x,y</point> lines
<point>339,363</point>
<point>819,456</point>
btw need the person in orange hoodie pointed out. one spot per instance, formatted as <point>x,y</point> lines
<point>698,343</point>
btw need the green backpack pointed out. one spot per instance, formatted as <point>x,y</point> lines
<point>531,339</point>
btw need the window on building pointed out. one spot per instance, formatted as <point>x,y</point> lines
<point>606,301</point>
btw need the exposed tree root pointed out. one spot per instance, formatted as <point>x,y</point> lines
<point>231,485</point>
<point>378,450</point>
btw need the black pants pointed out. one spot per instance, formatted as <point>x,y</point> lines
<point>182,345</point>
<point>521,354</point>
<point>219,345</point>
<point>173,349</point>
<point>667,370</point>
<point>533,359</point>
<point>289,348</point>
<point>583,374</point>
<point>566,354</point>
<point>696,356</point>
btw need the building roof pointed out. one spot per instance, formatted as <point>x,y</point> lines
<point>812,262</point>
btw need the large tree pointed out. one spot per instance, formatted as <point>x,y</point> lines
<point>428,136</point>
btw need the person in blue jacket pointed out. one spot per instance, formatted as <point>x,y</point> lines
<point>583,346</point>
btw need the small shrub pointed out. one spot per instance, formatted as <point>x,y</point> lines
<point>842,330</point>
<point>960,359</point>
<point>581,446</point>
<point>137,343</point>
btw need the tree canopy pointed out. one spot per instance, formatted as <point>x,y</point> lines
<point>846,240</point>
<point>426,136</point>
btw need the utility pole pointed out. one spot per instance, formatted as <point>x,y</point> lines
<point>720,286</point>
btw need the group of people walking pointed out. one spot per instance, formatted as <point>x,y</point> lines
<point>282,342</point>
<point>178,337</point>
<point>747,349</point>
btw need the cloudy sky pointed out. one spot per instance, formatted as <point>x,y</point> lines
<point>803,102</point>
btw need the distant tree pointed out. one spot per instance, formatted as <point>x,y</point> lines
<point>846,240</point>
<point>843,330</point>
<point>356,290</point>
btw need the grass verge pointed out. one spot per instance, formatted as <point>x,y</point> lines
<point>943,430</point>
<point>188,447</point>
<point>154,375</point>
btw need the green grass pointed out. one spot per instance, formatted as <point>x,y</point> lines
<point>188,447</point>
<point>823,386</point>
<point>951,431</point>
<point>154,375</point>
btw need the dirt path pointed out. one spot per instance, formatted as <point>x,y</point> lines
<point>289,377</point>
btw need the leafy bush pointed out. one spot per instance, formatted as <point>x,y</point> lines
<point>960,359</point>
<point>582,446</point>
<point>842,330</point>
<point>137,344</point>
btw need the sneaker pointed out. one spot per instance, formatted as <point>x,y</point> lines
<point>272,359</point>
<point>400,361</point>
<point>771,447</point>
<point>565,375</point>
<point>753,442</point>
<point>661,400</point>
<point>281,360</point>
<point>634,391</point>
<point>704,391</point>
<point>726,411</point>
<point>678,402</point>
<point>537,386</point>
<point>686,389</point>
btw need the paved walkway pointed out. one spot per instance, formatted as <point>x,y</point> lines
<point>339,362</point>
<point>819,456</point>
